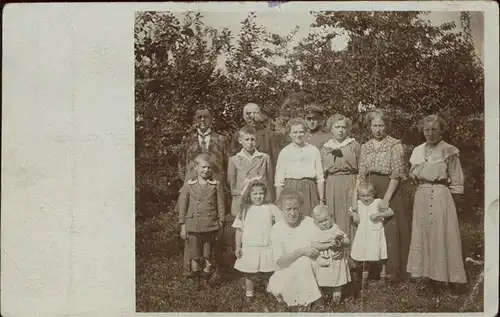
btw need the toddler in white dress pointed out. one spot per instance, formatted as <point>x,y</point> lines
<point>331,266</point>
<point>369,245</point>
<point>253,224</point>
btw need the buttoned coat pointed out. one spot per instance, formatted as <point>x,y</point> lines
<point>201,207</point>
<point>268,141</point>
<point>241,170</point>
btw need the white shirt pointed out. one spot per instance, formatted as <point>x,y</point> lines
<point>299,162</point>
<point>205,136</point>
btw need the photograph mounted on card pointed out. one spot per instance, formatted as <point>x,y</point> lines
<point>260,157</point>
<point>228,79</point>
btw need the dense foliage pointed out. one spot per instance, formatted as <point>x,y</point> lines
<point>393,60</point>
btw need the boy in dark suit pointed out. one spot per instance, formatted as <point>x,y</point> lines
<point>201,216</point>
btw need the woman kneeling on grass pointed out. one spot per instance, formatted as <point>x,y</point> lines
<point>294,281</point>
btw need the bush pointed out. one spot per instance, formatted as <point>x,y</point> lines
<point>393,60</point>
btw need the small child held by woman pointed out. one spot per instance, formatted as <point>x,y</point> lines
<point>369,246</point>
<point>253,234</point>
<point>331,266</point>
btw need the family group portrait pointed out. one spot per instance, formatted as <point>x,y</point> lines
<point>327,161</point>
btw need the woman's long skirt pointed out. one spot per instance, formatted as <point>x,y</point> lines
<point>436,249</point>
<point>308,188</point>
<point>339,190</point>
<point>397,228</point>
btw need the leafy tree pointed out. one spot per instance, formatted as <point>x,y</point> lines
<point>393,60</point>
<point>253,71</point>
<point>175,73</point>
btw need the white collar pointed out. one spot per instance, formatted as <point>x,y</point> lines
<point>204,134</point>
<point>334,144</point>
<point>441,151</point>
<point>195,181</point>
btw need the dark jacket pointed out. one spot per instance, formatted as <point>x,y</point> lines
<point>201,208</point>
<point>218,149</point>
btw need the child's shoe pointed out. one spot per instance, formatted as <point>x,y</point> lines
<point>249,296</point>
<point>336,298</point>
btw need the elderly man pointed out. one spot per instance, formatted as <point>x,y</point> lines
<point>267,140</point>
<point>315,120</point>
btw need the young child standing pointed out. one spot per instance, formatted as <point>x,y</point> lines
<point>369,245</point>
<point>299,167</point>
<point>331,266</point>
<point>246,165</point>
<point>201,216</point>
<point>253,229</point>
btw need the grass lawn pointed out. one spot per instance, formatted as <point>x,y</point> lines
<point>161,288</point>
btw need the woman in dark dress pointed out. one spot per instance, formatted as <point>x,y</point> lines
<point>382,163</point>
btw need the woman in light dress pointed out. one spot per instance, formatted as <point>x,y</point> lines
<point>436,250</point>
<point>299,167</point>
<point>294,282</point>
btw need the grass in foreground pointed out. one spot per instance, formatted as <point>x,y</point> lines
<point>161,288</point>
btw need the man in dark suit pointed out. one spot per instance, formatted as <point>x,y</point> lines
<point>204,140</point>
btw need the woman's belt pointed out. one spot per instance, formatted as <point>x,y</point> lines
<point>438,182</point>
<point>301,179</point>
<point>351,172</point>
<point>376,174</point>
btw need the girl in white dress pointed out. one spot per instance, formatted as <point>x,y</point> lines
<point>331,266</point>
<point>369,245</point>
<point>253,234</point>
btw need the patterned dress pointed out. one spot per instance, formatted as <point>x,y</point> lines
<point>379,165</point>
<point>436,250</point>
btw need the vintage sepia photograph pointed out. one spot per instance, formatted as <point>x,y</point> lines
<point>323,161</point>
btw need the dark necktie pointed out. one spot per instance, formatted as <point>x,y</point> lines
<point>203,142</point>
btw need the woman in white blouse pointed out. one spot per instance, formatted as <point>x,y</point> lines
<point>299,167</point>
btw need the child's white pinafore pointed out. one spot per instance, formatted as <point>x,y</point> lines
<point>369,242</point>
<point>257,251</point>
<point>331,267</point>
